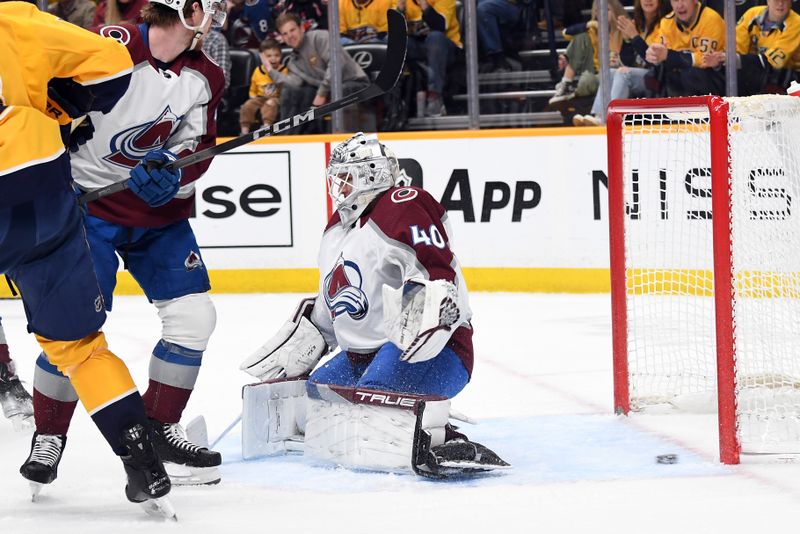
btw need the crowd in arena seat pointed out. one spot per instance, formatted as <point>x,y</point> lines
<point>657,48</point>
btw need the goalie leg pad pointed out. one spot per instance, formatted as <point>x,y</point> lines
<point>273,418</point>
<point>367,433</point>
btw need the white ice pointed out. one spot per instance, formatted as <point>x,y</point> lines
<point>541,390</point>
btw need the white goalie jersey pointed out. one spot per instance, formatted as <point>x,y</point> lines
<point>403,236</point>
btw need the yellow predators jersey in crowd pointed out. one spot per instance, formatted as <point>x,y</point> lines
<point>775,43</point>
<point>446,8</point>
<point>262,85</point>
<point>35,47</point>
<point>704,34</point>
<point>354,15</point>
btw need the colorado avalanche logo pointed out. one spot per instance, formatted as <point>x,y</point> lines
<point>129,146</point>
<point>343,292</point>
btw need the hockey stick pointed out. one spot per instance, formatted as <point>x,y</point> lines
<point>387,78</point>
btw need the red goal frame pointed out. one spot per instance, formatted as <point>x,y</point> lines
<point>717,109</point>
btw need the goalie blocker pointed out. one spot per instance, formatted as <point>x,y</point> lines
<point>359,428</point>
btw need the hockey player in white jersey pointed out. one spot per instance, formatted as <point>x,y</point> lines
<point>393,299</point>
<point>168,111</point>
<point>15,401</point>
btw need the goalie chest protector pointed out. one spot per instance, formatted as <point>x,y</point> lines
<point>405,234</point>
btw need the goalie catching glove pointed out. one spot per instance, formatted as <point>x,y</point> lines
<point>419,317</point>
<point>294,351</point>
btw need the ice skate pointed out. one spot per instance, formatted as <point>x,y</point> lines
<point>148,483</point>
<point>187,462</point>
<point>15,401</point>
<point>456,457</point>
<point>41,467</point>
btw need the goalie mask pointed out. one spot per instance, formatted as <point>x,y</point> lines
<point>214,10</point>
<point>359,169</point>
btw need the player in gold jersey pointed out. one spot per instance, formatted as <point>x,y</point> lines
<point>43,248</point>
<point>767,39</point>
<point>688,34</point>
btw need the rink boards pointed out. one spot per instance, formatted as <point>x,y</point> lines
<point>528,208</point>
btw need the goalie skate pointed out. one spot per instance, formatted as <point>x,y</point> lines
<point>455,458</point>
<point>15,401</point>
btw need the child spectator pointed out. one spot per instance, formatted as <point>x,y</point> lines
<point>583,61</point>
<point>767,40</point>
<point>265,94</point>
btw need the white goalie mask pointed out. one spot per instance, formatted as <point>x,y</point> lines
<point>359,169</point>
<point>214,10</point>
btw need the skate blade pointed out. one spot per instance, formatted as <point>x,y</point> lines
<point>36,488</point>
<point>161,507</point>
<point>184,475</point>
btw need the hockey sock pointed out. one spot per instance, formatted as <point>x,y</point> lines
<point>5,357</point>
<point>102,382</point>
<point>165,403</point>
<point>173,373</point>
<point>52,416</point>
<point>54,398</point>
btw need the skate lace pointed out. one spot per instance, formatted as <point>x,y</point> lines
<point>46,449</point>
<point>176,437</point>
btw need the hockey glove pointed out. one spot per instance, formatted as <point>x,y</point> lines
<point>75,99</point>
<point>420,316</point>
<point>82,132</point>
<point>152,182</point>
<point>294,351</point>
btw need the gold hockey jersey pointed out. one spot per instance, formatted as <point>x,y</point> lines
<point>704,34</point>
<point>776,44</point>
<point>36,47</point>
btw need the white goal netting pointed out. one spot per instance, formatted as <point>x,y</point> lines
<point>669,260</point>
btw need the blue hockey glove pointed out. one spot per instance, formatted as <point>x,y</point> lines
<point>152,182</point>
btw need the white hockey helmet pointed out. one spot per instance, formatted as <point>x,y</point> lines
<point>214,9</point>
<point>359,169</point>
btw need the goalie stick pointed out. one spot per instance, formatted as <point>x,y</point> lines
<point>386,80</point>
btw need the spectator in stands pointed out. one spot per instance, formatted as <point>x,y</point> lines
<point>435,38</point>
<point>629,79</point>
<point>313,13</point>
<point>215,45</point>
<point>78,12</point>
<point>265,94</point>
<point>118,12</point>
<point>308,80</point>
<point>691,32</point>
<point>492,16</point>
<point>364,21</point>
<point>583,61</point>
<point>250,22</point>
<point>767,38</point>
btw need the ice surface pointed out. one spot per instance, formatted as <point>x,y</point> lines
<point>541,391</point>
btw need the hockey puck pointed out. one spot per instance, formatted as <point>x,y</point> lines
<point>667,459</point>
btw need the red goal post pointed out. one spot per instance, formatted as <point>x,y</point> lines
<point>702,308</point>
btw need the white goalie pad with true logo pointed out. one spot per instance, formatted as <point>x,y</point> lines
<point>273,418</point>
<point>371,429</point>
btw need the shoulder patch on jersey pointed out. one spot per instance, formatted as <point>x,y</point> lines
<point>404,194</point>
<point>121,34</point>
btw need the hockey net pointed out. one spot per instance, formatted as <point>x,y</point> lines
<point>706,309</point>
